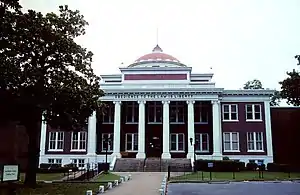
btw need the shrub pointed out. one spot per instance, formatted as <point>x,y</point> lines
<point>219,165</point>
<point>274,167</point>
<point>226,158</point>
<point>254,167</point>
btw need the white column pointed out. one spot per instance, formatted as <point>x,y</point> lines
<point>43,140</point>
<point>191,129</point>
<point>217,130</point>
<point>166,131</point>
<point>141,139</point>
<point>92,136</point>
<point>268,131</point>
<point>117,129</point>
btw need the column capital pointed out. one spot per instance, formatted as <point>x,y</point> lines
<point>141,101</point>
<point>190,101</point>
<point>215,101</point>
<point>165,102</point>
<point>117,102</point>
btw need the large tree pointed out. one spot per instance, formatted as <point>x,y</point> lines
<point>256,84</point>
<point>45,72</point>
<point>290,87</point>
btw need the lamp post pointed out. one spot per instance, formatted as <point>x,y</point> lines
<point>107,141</point>
<point>194,151</point>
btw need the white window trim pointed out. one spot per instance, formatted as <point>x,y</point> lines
<point>230,112</point>
<point>78,142</point>
<point>154,107</point>
<point>55,161</point>
<point>110,113</point>
<point>177,135</point>
<point>231,141</point>
<point>132,143</point>
<point>77,162</point>
<point>110,148</point>
<point>131,106</point>
<point>253,113</point>
<point>200,142</point>
<point>56,141</point>
<point>254,142</point>
<point>177,106</point>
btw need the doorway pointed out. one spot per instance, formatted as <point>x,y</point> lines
<point>154,147</point>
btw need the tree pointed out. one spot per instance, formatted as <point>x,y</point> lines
<point>45,72</point>
<point>290,88</point>
<point>254,84</point>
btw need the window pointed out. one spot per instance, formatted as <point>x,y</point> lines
<point>132,142</point>
<point>253,112</point>
<point>202,142</point>
<point>132,112</point>
<point>231,142</point>
<point>78,142</point>
<point>53,161</point>
<point>155,112</point>
<point>230,112</point>
<point>56,141</point>
<point>255,141</point>
<point>110,144</point>
<point>176,112</point>
<point>201,113</point>
<point>177,142</point>
<point>109,113</point>
<point>78,162</point>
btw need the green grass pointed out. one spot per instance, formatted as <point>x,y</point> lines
<point>239,176</point>
<point>45,176</point>
<point>107,177</point>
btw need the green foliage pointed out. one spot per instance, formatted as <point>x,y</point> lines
<point>44,69</point>
<point>254,84</point>
<point>290,88</point>
<point>275,99</point>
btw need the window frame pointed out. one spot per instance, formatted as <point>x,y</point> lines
<point>253,112</point>
<point>111,146</point>
<point>177,142</point>
<point>202,109</point>
<point>56,161</point>
<point>78,142</point>
<point>177,105</point>
<point>132,135</point>
<point>77,163</point>
<point>255,142</point>
<point>230,112</point>
<point>111,115</point>
<point>56,141</point>
<point>154,106</point>
<point>200,141</point>
<point>231,142</point>
<point>133,107</point>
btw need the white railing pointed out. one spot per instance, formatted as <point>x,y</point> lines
<point>112,163</point>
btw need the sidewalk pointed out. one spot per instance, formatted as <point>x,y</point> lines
<point>142,183</point>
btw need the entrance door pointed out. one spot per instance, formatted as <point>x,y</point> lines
<point>154,147</point>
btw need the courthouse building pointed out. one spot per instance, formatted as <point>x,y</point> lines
<point>157,107</point>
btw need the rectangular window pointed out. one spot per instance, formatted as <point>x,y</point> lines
<point>202,142</point>
<point>78,142</point>
<point>109,113</point>
<point>201,113</point>
<point>107,142</point>
<point>231,142</point>
<point>255,141</point>
<point>56,161</point>
<point>56,141</point>
<point>176,112</point>
<point>154,112</point>
<point>253,112</point>
<point>132,142</point>
<point>177,142</point>
<point>78,162</point>
<point>132,112</point>
<point>230,112</point>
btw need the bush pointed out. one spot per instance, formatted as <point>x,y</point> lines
<point>226,158</point>
<point>219,165</point>
<point>254,167</point>
<point>274,167</point>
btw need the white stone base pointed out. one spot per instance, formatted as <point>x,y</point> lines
<point>217,156</point>
<point>166,155</point>
<point>118,155</point>
<point>189,155</point>
<point>141,155</point>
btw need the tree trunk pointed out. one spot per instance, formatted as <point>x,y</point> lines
<point>33,132</point>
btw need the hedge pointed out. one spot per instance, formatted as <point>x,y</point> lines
<point>275,167</point>
<point>219,165</point>
<point>56,168</point>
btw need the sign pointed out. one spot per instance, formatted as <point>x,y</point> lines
<point>259,163</point>
<point>154,96</point>
<point>210,165</point>
<point>10,173</point>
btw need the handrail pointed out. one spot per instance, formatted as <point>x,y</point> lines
<point>112,163</point>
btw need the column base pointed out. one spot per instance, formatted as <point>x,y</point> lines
<point>118,155</point>
<point>141,155</point>
<point>166,155</point>
<point>190,155</point>
<point>217,156</point>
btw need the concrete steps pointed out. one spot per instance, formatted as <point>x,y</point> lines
<point>129,165</point>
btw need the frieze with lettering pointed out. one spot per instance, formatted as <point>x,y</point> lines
<point>152,96</point>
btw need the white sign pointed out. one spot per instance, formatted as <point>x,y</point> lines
<point>210,165</point>
<point>10,173</point>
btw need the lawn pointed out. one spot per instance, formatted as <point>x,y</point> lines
<point>107,177</point>
<point>45,176</point>
<point>238,176</point>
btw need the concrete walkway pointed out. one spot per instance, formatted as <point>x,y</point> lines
<point>142,183</point>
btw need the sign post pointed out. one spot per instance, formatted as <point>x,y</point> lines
<point>210,166</point>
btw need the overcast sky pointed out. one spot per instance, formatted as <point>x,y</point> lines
<point>240,39</point>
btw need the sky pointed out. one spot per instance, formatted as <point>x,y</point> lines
<point>240,40</point>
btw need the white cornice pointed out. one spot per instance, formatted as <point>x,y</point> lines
<point>156,69</point>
